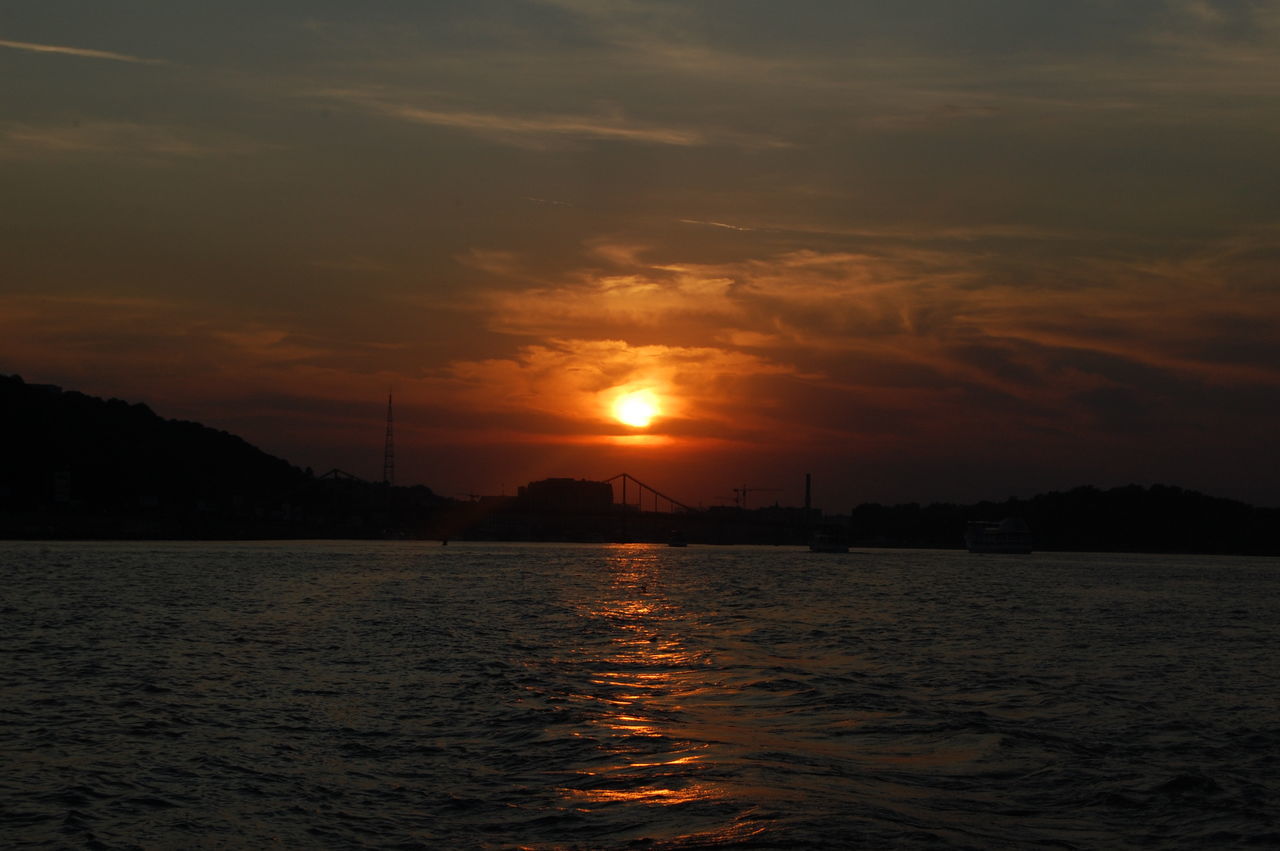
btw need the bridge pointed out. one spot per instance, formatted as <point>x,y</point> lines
<point>645,493</point>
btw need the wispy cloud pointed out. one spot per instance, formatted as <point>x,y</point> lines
<point>653,299</point>
<point>83,52</point>
<point>546,125</point>
<point>540,129</point>
<point>724,225</point>
<point>515,128</point>
<point>19,140</point>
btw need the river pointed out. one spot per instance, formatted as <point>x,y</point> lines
<point>412,695</point>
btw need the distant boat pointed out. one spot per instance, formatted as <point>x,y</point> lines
<point>1010,535</point>
<point>676,539</point>
<point>827,542</point>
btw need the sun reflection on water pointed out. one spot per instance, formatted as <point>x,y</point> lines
<point>645,676</point>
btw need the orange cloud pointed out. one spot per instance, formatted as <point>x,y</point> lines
<point>182,352</point>
<point>607,302</point>
<point>894,344</point>
<point>577,381</point>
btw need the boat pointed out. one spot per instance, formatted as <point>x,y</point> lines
<point>676,539</point>
<point>1010,535</point>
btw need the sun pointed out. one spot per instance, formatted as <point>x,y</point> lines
<point>636,409</point>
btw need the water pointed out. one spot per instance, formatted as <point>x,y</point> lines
<point>405,695</point>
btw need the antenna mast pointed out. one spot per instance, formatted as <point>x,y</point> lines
<point>389,450</point>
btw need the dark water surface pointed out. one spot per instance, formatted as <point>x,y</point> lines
<point>406,695</point>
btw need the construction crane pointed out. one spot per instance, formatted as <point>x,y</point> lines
<point>740,494</point>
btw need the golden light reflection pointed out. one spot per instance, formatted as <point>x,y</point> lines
<point>641,689</point>
<point>666,797</point>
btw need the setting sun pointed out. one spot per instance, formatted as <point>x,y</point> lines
<point>636,409</point>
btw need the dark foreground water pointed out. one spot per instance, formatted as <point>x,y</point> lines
<point>404,695</point>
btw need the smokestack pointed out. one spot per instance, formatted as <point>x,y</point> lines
<point>807,477</point>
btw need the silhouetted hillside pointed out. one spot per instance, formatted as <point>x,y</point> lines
<point>69,448</point>
<point>78,466</point>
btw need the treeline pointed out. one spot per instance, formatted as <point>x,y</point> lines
<point>1133,518</point>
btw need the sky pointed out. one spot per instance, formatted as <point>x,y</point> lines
<point>926,251</point>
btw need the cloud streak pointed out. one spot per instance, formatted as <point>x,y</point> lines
<point>540,129</point>
<point>514,128</point>
<point>82,52</point>
<point>118,137</point>
<point>545,125</point>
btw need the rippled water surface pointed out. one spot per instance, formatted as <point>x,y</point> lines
<point>558,696</point>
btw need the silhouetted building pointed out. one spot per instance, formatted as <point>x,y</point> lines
<point>578,496</point>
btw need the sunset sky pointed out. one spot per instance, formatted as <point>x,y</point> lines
<point>927,250</point>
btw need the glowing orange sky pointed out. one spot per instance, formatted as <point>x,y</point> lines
<point>921,254</point>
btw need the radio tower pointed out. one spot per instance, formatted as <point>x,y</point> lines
<point>389,450</point>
